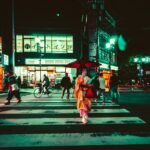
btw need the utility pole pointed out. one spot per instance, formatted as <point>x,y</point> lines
<point>13,36</point>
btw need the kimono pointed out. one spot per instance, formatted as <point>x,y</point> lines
<point>83,103</point>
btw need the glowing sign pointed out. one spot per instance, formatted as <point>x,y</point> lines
<point>5,60</point>
<point>49,61</point>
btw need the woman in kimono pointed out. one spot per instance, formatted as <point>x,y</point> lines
<point>83,103</point>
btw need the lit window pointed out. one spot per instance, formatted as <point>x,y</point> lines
<point>27,45</point>
<point>19,47</point>
<point>50,43</point>
<point>58,44</point>
<point>69,44</point>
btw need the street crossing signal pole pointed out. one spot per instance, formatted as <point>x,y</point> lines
<point>13,37</point>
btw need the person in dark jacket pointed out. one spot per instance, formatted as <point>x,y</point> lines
<point>46,82</point>
<point>19,81</point>
<point>13,89</point>
<point>5,82</point>
<point>114,87</point>
<point>66,84</point>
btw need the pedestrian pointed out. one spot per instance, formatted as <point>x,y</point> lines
<point>5,81</point>
<point>66,85</point>
<point>102,87</point>
<point>46,83</point>
<point>19,81</point>
<point>96,86</point>
<point>114,87</point>
<point>13,89</point>
<point>83,103</point>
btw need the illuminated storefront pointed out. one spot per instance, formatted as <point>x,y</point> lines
<point>39,54</point>
<point>47,43</point>
<point>107,73</point>
<point>31,74</point>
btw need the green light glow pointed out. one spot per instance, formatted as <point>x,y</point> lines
<point>135,59</point>
<point>57,14</point>
<point>112,41</point>
<point>122,44</point>
<point>143,59</point>
<point>108,45</point>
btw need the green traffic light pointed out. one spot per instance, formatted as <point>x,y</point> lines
<point>112,41</point>
<point>108,45</point>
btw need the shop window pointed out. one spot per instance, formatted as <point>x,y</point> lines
<point>27,45</point>
<point>19,43</point>
<point>69,44</point>
<point>33,45</point>
<point>59,44</point>
<point>48,43</point>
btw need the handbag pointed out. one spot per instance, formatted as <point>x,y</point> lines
<point>90,93</point>
<point>14,87</point>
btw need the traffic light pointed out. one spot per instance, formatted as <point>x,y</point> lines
<point>108,45</point>
<point>112,41</point>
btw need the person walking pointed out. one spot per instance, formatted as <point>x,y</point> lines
<point>83,103</point>
<point>66,85</point>
<point>5,82</point>
<point>13,89</point>
<point>114,87</point>
<point>102,87</point>
<point>19,81</point>
<point>46,83</point>
<point>96,86</point>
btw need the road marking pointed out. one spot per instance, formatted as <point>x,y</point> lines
<point>64,111</point>
<point>70,121</point>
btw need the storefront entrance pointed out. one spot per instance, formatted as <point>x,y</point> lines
<point>30,75</point>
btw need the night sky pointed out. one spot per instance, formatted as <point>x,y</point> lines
<point>132,16</point>
<point>133,21</point>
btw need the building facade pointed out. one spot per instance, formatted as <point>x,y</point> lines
<point>43,41</point>
<point>102,39</point>
<point>38,53</point>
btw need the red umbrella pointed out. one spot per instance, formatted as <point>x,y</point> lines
<point>83,64</point>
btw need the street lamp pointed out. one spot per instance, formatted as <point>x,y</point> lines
<point>38,40</point>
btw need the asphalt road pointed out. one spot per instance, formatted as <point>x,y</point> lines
<point>137,102</point>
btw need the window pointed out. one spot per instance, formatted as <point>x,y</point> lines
<point>69,44</point>
<point>19,43</point>
<point>27,45</point>
<point>61,43</point>
<point>48,44</point>
<point>33,45</point>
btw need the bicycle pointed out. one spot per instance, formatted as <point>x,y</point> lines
<point>39,91</point>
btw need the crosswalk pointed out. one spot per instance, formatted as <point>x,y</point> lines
<point>55,123</point>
